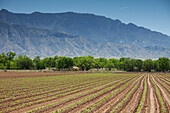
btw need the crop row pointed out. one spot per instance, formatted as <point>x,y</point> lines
<point>107,97</point>
<point>91,97</point>
<point>90,91</point>
<point>46,99</point>
<point>162,83</point>
<point>143,97</point>
<point>49,97</point>
<point>127,96</point>
<point>159,95</point>
<point>46,90</point>
<point>42,88</point>
<point>58,89</point>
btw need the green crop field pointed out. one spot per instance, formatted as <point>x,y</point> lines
<point>91,92</point>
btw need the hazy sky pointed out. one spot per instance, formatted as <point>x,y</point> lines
<point>152,14</point>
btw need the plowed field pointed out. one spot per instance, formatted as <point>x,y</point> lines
<point>85,93</point>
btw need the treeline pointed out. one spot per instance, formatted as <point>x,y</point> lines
<point>9,61</point>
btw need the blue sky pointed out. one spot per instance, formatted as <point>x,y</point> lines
<point>152,14</point>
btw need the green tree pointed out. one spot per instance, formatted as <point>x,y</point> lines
<point>124,63</point>
<point>65,63</point>
<point>114,61</point>
<point>109,65</point>
<point>38,63</point>
<point>97,63</point>
<point>85,62</point>
<point>3,60</point>
<point>132,63</point>
<point>148,65</point>
<point>100,63</point>
<point>24,62</point>
<point>41,65</point>
<point>103,62</point>
<point>139,64</point>
<point>156,65</point>
<point>55,61</point>
<point>10,56</point>
<point>164,64</point>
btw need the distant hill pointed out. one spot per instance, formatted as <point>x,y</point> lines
<point>74,34</point>
<point>90,26</point>
<point>33,42</point>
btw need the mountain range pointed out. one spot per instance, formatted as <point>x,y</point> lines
<point>78,34</point>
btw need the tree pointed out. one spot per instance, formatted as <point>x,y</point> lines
<point>139,64</point>
<point>85,62</point>
<point>124,64</point>
<point>115,62</point>
<point>148,65</point>
<point>38,63</point>
<point>41,65</point>
<point>132,64</point>
<point>121,63</point>
<point>24,62</point>
<point>3,59</point>
<point>65,62</point>
<point>164,64</point>
<point>10,56</point>
<point>156,65</point>
<point>55,61</point>
<point>109,65</point>
<point>76,61</point>
<point>36,59</point>
<point>100,63</point>
<point>103,62</point>
<point>97,63</point>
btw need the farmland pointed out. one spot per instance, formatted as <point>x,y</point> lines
<point>39,92</point>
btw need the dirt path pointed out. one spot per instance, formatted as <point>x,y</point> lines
<point>151,106</point>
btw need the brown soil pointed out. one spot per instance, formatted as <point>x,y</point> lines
<point>135,100</point>
<point>88,102</point>
<point>164,94</point>
<point>152,103</point>
<point>46,92</point>
<point>36,74</point>
<point>54,100</point>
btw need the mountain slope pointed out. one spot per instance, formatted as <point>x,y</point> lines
<point>97,28</point>
<point>34,41</point>
<point>112,50</point>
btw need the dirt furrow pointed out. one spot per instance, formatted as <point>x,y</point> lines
<point>151,100</point>
<point>164,78</point>
<point>162,81</point>
<point>89,101</point>
<point>47,92</point>
<point>107,106</point>
<point>27,108</point>
<point>132,105</point>
<point>55,98</point>
<point>164,94</point>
